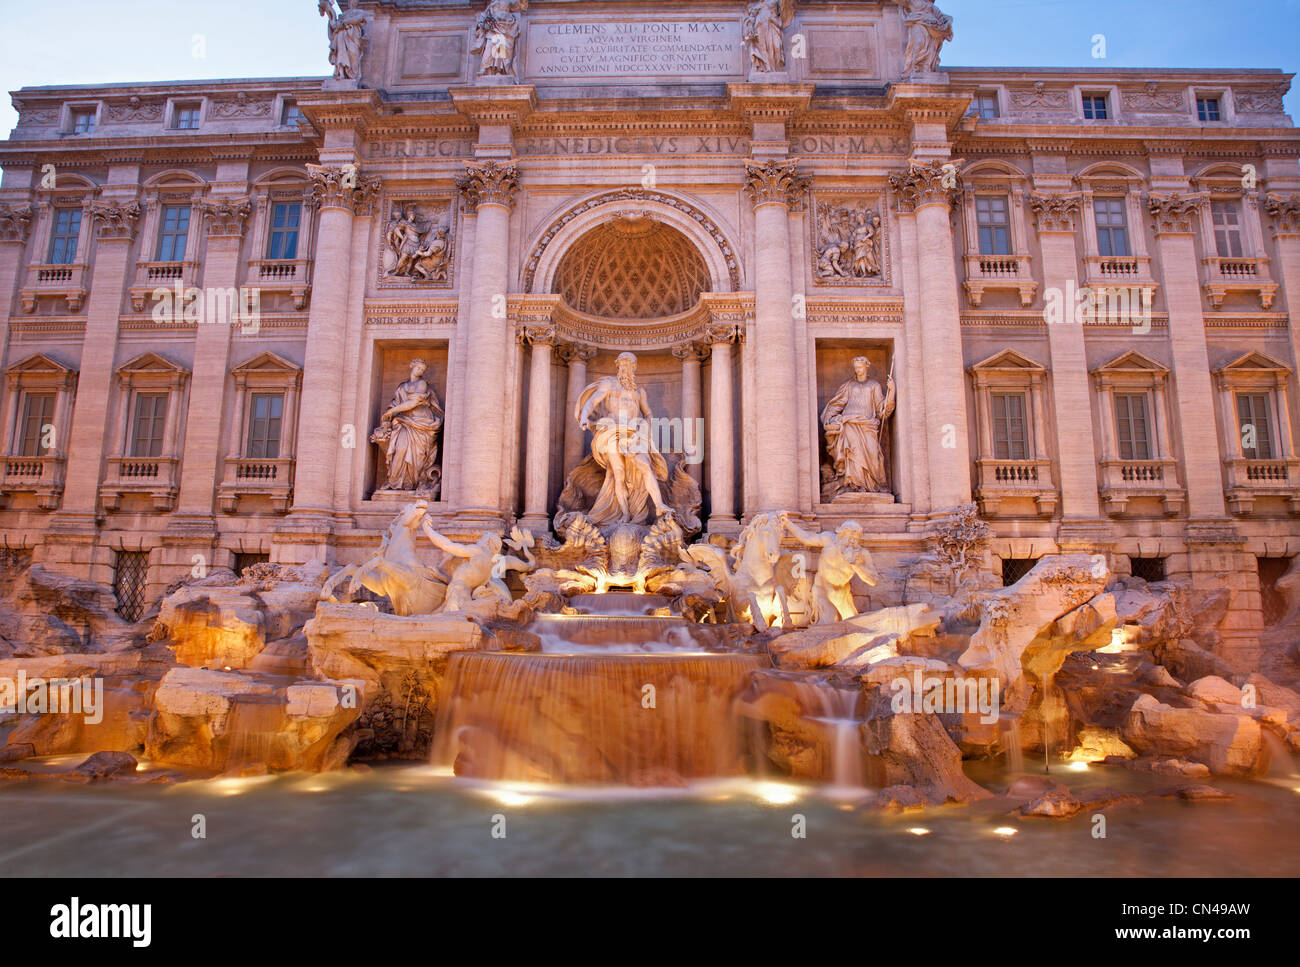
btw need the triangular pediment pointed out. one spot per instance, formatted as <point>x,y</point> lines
<point>267,363</point>
<point>1132,362</point>
<point>39,364</point>
<point>150,363</point>
<point>1255,362</point>
<point>1008,359</point>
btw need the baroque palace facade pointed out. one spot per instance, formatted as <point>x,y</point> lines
<point>1073,288</point>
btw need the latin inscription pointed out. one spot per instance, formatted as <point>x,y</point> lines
<point>643,48</point>
<point>672,144</point>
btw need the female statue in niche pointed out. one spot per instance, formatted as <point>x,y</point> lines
<point>409,430</point>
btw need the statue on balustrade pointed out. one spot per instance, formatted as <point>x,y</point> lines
<point>927,31</point>
<point>409,434</point>
<point>765,23</point>
<point>496,33</point>
<point>854,422</point>
<point>347,37</point>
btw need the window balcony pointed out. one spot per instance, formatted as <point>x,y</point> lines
<point>1001,480</point>
<point>252,477</point>
<point>42,476</point>
<point>282,275</point>
<point>1224,276</point>
<point>1118,272</point>
<point>1249,480</point>
<point>985,272</point>
<point>68,282</point>
<point>150,276</point>
<point>156,477</point>
<point>1126,480</point>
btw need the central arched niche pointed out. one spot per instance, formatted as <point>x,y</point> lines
<point>632,267</point>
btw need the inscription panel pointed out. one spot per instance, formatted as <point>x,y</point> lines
<point>646,48</point>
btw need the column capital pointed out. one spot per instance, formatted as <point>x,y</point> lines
<point>690,351</point>
<point>15,221</point>
<point>116,220</point>
<point>1284,210</point>
<point>1174,214</point>
<point>343,186</point>
<point>774,182</point>
<point>225,216</point>
<point>489,183</point>
<point>1056,212</point>
<point>724,333</point>
<point>536,335</point>
<point>926,183</point>
<point>572,352</point>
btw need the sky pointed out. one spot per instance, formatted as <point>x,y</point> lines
<point>103,41</point>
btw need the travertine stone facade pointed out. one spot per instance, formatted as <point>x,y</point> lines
<point>749,197</point>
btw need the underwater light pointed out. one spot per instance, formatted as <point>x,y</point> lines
<point>1005,831</point>
<point>918,831</point>
<point>776,794</point>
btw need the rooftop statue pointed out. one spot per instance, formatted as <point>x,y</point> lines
<point>347,38</point>
<point>496,33</point>
<point>765,23</point>
<point>927,31</point>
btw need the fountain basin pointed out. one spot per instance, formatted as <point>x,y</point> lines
<point>642,720</point>
<point>603,633</point>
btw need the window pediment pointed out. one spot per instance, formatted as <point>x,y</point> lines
<point>1130,363</point>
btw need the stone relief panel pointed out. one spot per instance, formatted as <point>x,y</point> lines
<point>416,247</point>
<point>848,240</point>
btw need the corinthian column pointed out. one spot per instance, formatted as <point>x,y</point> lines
<point>722,438</point>
<point>692,403</point>
<point>488,188</point>
<point>1284,214</point>
<point>537,460</point>
<point>338,191</point>
<point>577,357</point>
<point>925,193</point>
<point>775,186</point>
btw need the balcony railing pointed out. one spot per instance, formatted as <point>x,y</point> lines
<point>150,276</point>
<point>985,272</point>
<point>1125,480</point>
<point>1106,272</point>
<point>40,475</point>
<point>282,275</point>
<point>68,282</point>
<point>1225,276</point>
<point>257,477</point>
<point>155,477</point>
<point>1002,480</point>
<point>1250,479</point>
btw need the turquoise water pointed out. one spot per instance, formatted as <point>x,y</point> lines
<point>412,820</point>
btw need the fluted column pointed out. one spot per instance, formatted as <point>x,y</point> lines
<point>692,402</point>
<point>722,439</point>
<point>1284,219</point>
<point>537,459</point>
<point>1058,217</point>
<point>489,189</point>
<point>925,193</point>
<point>577,356</point>
<point>337,190</point>
<point>775,186</point>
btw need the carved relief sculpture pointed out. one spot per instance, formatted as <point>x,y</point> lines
<point>420,254</point>
<point>927,31</point>
<point>496,34</point>
<point>847,243</point>
<point>409,433</point>
<point>347,33</point>
<point>765,23</point>
<point>854,421</point>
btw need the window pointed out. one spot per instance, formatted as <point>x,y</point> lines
<point>992,217</point>
<point>1147,568</point>
<point>1253,424</point>
<point>1131,426</point>
<point>244,561</point>
<point>129,577</point>
<point>148,425</point>
<point>265,413</point>
<point>1112,227</point>
<point>1095,107</point>
<point>1010,434</point>
<point>172,235</point>
<point>986,105</point>
<point>1014,568</point>
<point>289,118</point>
<point>63,239</point>
<point>83,122</point>
<point>285,220</point>
<point>186,117</point>
<point>38,413</point>
<point>1207,109</point>
<point>1227,229</point>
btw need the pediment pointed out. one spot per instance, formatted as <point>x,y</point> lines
<point>1132,362</point>
<point>39,364</point>
<point>1255,363</point>
<point>1008,360</point>
<point>267,364</point>
<point>151,364</point>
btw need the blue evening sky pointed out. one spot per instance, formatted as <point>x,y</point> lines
<point>101,41</point>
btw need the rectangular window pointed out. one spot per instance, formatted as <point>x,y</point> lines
<point>264,420</point>
<point>63,239</point>
<point>1095,107</point>
<point>1015,568</point>
<point>1207,109</point>
<point>83,122</point>
<point>187,117</point>
<point>291,114</point>
<point>1112,227</point>
<point>1227,229</point>
<point>38,413</point>
<point>991,214</point>
<point>1131,426</point>
<point>1253,423</point>
<point>986,106</point>
<point>1148,568</point>
<point>1010,433</point>
<point>173,233</point>
<point>285,220</point>
<point>149,423</point>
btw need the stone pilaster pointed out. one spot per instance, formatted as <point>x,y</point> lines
<point>1284,221</point>
<point>691,356</point>
<point>924,193</point>
<point>774,187</point>
<point>722,438</point>
<point>577,356</point>
<point>537,458</point>
<point>15,226</point>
